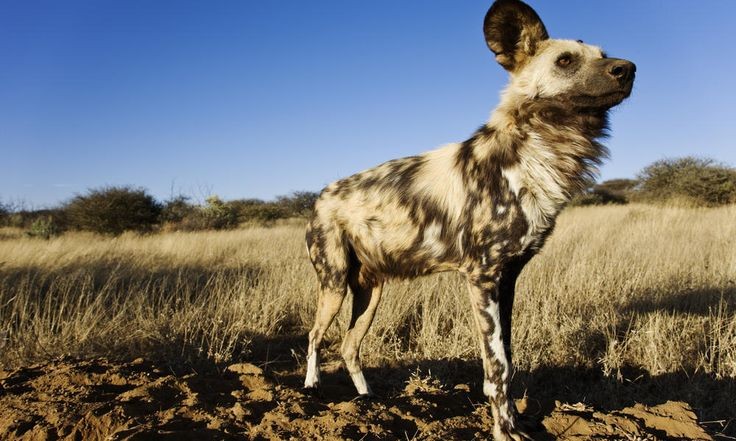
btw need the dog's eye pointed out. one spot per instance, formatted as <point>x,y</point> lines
<point>564,60</point>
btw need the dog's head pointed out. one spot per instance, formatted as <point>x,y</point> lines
<point>540,67</point>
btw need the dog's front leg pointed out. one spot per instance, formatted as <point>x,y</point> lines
<point>484,297</point>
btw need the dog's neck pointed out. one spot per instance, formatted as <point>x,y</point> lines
<point>547,150</point>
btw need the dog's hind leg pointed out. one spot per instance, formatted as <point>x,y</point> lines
<point>366,296</point>
<point>330,260</point>
<point>327,308</point>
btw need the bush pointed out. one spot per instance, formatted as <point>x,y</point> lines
<point>614,191</point>
<point>699,180</point>
<point>176,210</point>
<point>264,213</point>
<point>215,215</point>
<point>618,186</point>
<point>258,211</point>
<point>218,215</point>
<point>598,197</point>
<point>26,218</point>
<point>4,214</point>
<point>113,210</point>
<point>44,227</point>
<point>15,220</point>
<point>298,204</point>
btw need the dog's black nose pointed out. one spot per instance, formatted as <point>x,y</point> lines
<point>622,70</point>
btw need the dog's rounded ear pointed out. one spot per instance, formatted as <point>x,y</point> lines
<point>513,31</point>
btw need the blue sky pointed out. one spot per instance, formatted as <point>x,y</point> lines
<point>258,99</point>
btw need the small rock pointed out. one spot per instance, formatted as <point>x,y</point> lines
<point>245,369</point>
<point>239,411</point>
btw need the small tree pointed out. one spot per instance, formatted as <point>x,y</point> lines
<point>258,211</point>
<point>218,215</point>
<point>617,186</point>
<point>614,191</point>
<point>299,203</point>
<point>176,209</point>
<point>264,213</point>
<point>4,214</point>
<point>700,180</point>
<point>43,227</point>
<point>113,210</point>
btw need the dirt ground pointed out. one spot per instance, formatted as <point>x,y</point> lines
<point>100,399</point>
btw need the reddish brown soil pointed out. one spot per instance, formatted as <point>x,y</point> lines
<point>100,399</point>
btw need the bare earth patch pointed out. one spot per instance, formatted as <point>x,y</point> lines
<point>100,399</point>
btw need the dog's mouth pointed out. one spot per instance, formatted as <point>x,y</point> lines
<point>600,102</point>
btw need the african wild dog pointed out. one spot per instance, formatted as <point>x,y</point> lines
<point>482,207</point>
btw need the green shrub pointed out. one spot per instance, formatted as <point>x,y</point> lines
<point>699,180</point>
<point>298,204</point>
<point>264,213</point>
<point>44,227</point>
<point>245,209</point>
<point>218,215</point>
<point>15,220</point>
<point>26,218</point>
<point>598,197</point>
<point>176,210</point>
<point>113,210</point>
<point>618,186</point>
<point>258,211</point>
<point>4,214</point>
<point>614,191</point>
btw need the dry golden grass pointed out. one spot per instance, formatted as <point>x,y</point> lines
<point>636,286</point>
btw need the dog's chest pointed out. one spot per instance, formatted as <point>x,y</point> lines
<point>540,194</point>
<point>523,218</point>
<point>516,234</point>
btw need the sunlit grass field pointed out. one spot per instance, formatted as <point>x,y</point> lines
<point>653,288</point>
